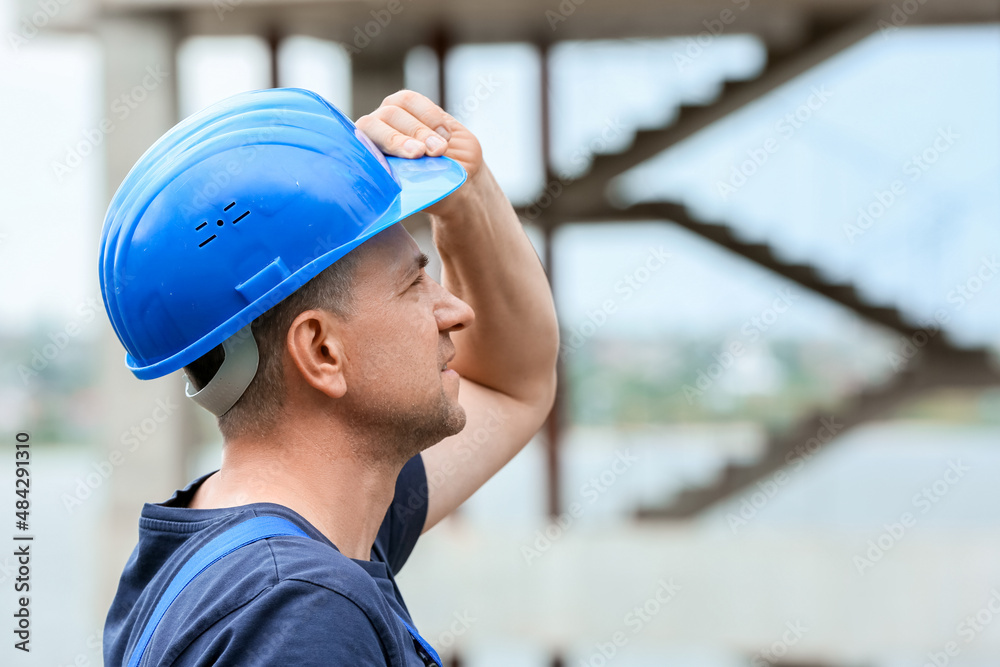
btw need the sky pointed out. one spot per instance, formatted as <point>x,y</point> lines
<point>880,103</point>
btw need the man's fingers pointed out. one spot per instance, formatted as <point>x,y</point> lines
<point>396,132</point>
<point>405,122</point>
<point>389,140</point>
<point>423,110</point>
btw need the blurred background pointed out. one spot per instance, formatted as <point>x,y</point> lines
<point>772,228</point>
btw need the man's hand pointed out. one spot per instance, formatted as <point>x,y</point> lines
<point>407,124</point>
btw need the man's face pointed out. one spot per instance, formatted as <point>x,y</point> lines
<point>397,344</point>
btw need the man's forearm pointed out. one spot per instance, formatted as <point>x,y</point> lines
<point>488,261</point>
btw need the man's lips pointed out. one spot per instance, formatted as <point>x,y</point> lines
<point>444,366</point>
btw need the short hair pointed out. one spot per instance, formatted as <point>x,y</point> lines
<point>257,410</point>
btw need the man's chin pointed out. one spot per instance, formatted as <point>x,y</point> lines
<point>458,419</point>
<point>452,420</point>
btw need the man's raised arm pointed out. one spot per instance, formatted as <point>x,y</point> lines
<point>507,358</point>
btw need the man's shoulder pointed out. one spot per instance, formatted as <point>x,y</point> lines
<point>303,559</point>
<point>292,622</point>
<point>268,562</point>
<point>275,588</point>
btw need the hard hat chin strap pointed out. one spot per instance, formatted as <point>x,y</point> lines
<point>233,377</point>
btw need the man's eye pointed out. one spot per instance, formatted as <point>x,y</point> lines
<point>419,280</point>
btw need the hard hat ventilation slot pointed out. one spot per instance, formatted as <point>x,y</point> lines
<point>220,223</point>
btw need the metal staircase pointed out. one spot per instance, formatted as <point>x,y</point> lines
<point>823,40</point>
<point>937,363</point>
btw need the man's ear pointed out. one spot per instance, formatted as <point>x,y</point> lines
<point>315,347</point>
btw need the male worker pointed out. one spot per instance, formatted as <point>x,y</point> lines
<point>360,378</point>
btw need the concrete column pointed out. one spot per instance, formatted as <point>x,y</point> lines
<point>147,422</point>
<point>373,77</point>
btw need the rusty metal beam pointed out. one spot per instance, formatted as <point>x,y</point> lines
<point>554,423</point>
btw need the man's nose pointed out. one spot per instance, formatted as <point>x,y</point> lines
<point>452,313</point>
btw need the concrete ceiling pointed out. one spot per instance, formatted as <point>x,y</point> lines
<point>780,23</point>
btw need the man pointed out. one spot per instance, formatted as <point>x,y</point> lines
<point>360,378</point>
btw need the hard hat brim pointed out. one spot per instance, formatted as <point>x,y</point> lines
<point>423,181</point>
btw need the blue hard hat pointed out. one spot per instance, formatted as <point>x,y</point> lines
<point>238,206</point>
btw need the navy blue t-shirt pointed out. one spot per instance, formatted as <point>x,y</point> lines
<point>284,600</point>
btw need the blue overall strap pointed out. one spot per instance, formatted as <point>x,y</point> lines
<point>238,536</point>
<point>424,644</point>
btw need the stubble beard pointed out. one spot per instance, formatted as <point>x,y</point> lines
<point>400,432</point>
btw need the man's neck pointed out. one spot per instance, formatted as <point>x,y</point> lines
<point>323,479</point>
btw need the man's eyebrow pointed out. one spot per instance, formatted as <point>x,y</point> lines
<point>419,262</point>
